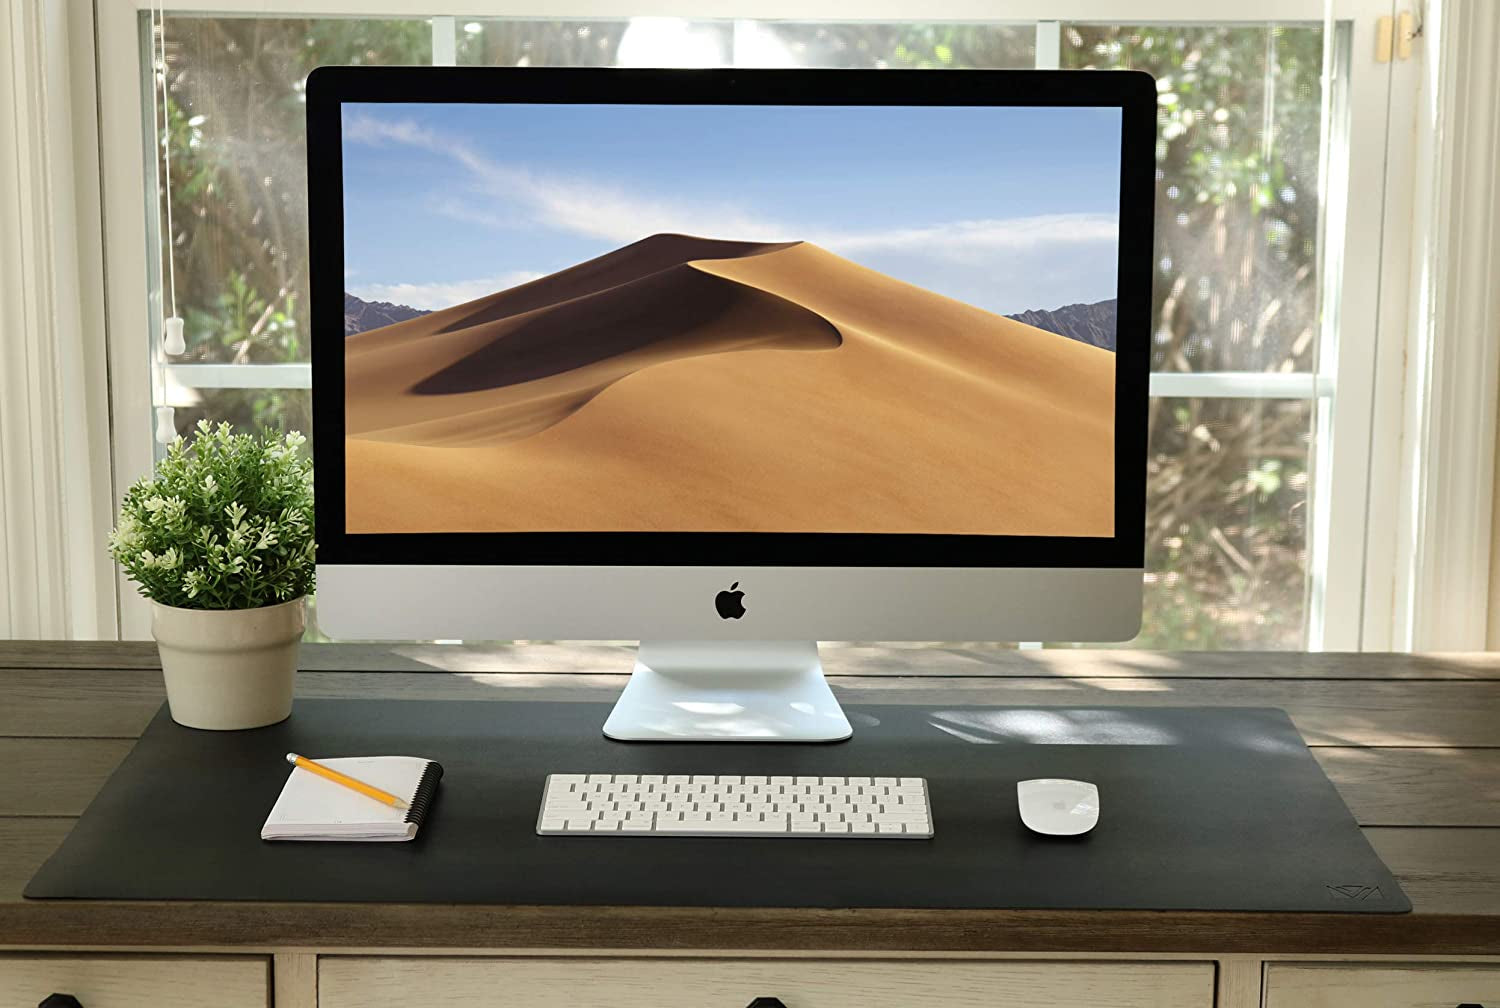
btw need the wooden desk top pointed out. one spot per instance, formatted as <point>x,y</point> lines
<point>1412,742</point>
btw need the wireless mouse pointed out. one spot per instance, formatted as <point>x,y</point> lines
<point>1056,807</point>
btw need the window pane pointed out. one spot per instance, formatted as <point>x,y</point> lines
<point>511,42</point>
<point>1239,121</point>
<point>883,46</point>
<point>658,41</point>
<point>1226,533</point>
<point>239,177</point>
<point>248,409</point>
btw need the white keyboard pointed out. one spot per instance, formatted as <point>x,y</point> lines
<point>735,806</point>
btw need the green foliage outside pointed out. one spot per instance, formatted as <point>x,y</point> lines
<point>224,524</point>
<point>1238,117</point>
<point>239,191</point>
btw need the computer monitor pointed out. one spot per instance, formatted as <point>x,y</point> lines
<point>730,361</point>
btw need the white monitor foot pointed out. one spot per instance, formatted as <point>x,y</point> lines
<point>730,691</point>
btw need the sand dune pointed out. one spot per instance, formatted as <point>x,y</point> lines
<point>688,384</point>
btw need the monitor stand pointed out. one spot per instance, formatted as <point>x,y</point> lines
<point>727,691</point>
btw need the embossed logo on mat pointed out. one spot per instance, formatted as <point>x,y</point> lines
<point>1355,892</point>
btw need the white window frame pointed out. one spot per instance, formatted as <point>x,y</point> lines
<point>1357,382</point>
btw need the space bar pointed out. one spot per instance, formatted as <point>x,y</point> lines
<point>773,824</point>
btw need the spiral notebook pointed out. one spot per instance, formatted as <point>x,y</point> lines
<point>314,808</point>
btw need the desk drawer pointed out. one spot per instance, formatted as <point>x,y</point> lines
<point>108,981</point>
<point>1368,986</point>
<point>735,983</point>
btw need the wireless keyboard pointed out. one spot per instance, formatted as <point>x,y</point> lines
<point>735,806</point>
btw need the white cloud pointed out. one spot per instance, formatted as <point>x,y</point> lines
<point>433,296</point>
<point>581,207</point>
<point>365,129</point>
<point>967,240</point>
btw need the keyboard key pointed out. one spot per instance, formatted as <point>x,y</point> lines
<point>775,825</point>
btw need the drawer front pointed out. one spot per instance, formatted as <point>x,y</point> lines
<point>730,983</point>
<point>108,981</point>
<point>1362,986</point>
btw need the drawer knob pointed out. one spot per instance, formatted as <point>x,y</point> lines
<point>766,1003</point>
<point>60,1001</point>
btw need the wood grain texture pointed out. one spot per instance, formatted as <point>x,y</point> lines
<point>325,926</point>
<point>24,845</point>
<point>72,703</point>
<point>1347,985</point>
<point>1454,871</point>
<point>1239,983</point>
<point>358,982</point>
<point>1427,714</point>
<point>1416,787</point>
<point>839,658</point>
<point>55,777</point>
<point>138,981</point>
<point>294,977</point>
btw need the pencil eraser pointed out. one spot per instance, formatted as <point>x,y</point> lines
<point>291,758</point>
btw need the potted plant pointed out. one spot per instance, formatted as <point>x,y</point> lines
<point>220,539</point>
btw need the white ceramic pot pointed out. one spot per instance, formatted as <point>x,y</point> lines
<point>229,668</point>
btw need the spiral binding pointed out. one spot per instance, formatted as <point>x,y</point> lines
<point>426,790</point>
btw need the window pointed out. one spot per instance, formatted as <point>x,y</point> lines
<point>1247,265</point>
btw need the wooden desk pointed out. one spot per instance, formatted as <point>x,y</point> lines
<point>1412,742</point>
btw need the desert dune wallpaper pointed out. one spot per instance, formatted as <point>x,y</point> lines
<point>703,320</point>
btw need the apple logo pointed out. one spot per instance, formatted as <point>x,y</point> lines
<point>731,603</point>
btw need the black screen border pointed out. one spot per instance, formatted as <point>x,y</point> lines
<point>1133,92</point>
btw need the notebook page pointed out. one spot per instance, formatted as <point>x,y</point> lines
<point>310,800</point>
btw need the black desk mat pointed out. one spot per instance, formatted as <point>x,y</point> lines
<point>1202,808</point>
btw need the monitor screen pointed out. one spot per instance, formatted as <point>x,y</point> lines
<point>730,318</point>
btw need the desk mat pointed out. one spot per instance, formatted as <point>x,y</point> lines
<point>1201,809</point>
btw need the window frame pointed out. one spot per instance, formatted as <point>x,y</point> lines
<point>1357,383</point>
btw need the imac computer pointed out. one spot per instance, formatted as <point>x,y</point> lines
<point>729,362</point>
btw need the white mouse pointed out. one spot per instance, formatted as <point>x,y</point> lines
<point>1057,807</point>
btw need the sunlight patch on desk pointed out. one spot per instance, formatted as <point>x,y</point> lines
<point>1050,727</point>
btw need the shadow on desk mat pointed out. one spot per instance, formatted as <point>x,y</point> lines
<point>1201,809</point>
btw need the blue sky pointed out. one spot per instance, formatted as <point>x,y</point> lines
<point>1006,208</point>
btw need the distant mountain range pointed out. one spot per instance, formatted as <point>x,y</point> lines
<point>1093,324</point>
<point>361,316</point>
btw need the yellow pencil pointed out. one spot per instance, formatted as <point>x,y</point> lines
<point>384,797</point>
